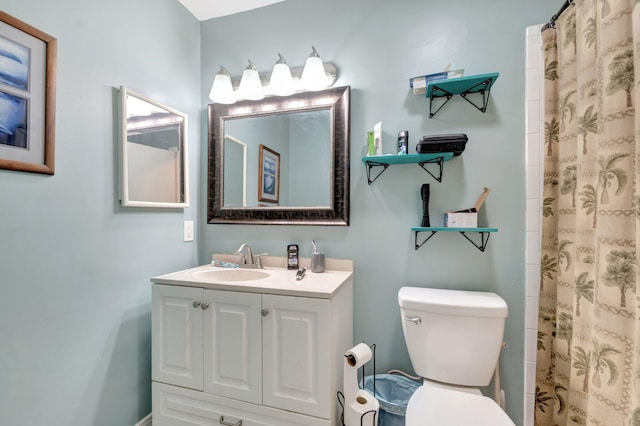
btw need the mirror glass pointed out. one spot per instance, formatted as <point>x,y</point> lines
<point>153,151</point>
<point>280,160</point>
<point>297,137</point>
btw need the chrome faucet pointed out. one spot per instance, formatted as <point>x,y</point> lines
<point>246,261</point>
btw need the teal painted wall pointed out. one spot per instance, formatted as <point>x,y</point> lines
<point>75,266</point>
<point>377,46</point>
<point>75,311</point>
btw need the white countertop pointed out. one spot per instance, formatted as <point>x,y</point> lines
<point>281,281</point>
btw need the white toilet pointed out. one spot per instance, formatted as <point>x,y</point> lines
<point>454,340</point>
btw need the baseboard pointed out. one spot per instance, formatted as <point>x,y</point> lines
<point>144,422</point>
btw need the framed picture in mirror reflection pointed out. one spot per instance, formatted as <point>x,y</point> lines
<point>269,175</point>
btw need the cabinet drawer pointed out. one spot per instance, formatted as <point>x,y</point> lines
<point>175,406</point>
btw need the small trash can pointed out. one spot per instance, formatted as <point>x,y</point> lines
<point>393,392</point>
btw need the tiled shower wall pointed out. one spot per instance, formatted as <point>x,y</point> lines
<point>534,158</point>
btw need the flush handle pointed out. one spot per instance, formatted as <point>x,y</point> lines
<point>222,422</point>
<point>415,320</point>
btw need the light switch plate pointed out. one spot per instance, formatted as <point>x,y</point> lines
<point>188,230</point>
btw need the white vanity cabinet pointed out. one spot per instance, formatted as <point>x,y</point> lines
<point>207,340</point>
<point>221,356</point>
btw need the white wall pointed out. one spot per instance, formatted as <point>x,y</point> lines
<point>534,142</point>
<point>153,173</point>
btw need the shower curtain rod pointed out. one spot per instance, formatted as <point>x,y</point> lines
<point>552,21</point>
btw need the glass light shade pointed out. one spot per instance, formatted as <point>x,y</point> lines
<point>281,83</point>
<point>222,89</point>
<point>314,76</point>
<point>250,84</point>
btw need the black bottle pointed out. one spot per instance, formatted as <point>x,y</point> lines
<point>424,193</point>
<point>292,256</point>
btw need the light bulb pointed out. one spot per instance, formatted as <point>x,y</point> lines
<point>281,83</point>
<point>250,84</point>
<point>314,76</point>
<point>222,89</point>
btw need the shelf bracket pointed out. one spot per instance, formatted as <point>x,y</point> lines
<point>484,239</point>
<point>371,165</point>
<point>438,92</point>
<point>485,91</point>
<point>417,246</point>
<point>439,161</point>
<point>481,245</point>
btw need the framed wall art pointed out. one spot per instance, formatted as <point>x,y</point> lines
<point>269,175</point>
<point>27,97</point>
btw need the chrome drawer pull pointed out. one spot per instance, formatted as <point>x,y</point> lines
<point>222,422</point>
<point>415,320</point>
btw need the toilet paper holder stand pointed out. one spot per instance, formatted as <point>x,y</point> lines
<point>340,395</point>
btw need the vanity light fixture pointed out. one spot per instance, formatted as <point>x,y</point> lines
<point>221,89</point>
<point>313,75</point>
<point>250,86</point>
<point>281,81</point>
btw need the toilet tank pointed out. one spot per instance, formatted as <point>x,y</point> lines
<point>453,336</point>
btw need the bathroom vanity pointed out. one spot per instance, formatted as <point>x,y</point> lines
<point>233,346</point>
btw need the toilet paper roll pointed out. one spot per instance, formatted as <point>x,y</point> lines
<point>362,410</point>
<point>358,355</point>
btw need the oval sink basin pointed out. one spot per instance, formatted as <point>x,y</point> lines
<point>232,275</point>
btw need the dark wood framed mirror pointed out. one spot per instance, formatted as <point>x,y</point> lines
<point>306,181</point>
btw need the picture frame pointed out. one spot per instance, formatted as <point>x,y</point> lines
<point>27,97</point>
<point>269,175</point>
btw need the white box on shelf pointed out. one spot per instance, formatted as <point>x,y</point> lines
<point>466,218</point>
<point>419,84</point>
<point>460,219</point>
<point>377,138</point>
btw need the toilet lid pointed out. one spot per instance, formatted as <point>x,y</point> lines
<point>429,406</point>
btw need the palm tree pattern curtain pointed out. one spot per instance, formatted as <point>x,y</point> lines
<point>588,353</point>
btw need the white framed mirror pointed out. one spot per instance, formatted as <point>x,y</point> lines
<point>153,153</point>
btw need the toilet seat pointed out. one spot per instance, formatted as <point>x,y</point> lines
<point>448,407</point>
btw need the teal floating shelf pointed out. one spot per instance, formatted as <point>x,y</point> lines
<point>464,86</point>
<point>422,160</point>
<point>485,233</point>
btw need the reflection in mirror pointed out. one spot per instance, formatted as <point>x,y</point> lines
<point>235,174</point>
<point>281,160</point>
<point>153,151</point>
<point>303,140</point>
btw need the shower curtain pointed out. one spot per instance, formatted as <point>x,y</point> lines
<point>588,351</point>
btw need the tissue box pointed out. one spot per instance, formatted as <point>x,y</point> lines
<point>460,219</point>
<point>418,85</point>
<point>466,218</point>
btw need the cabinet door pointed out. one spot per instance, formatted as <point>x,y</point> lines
<point>176,330</point>
<point>296,355</point>
<point>233,345</point>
